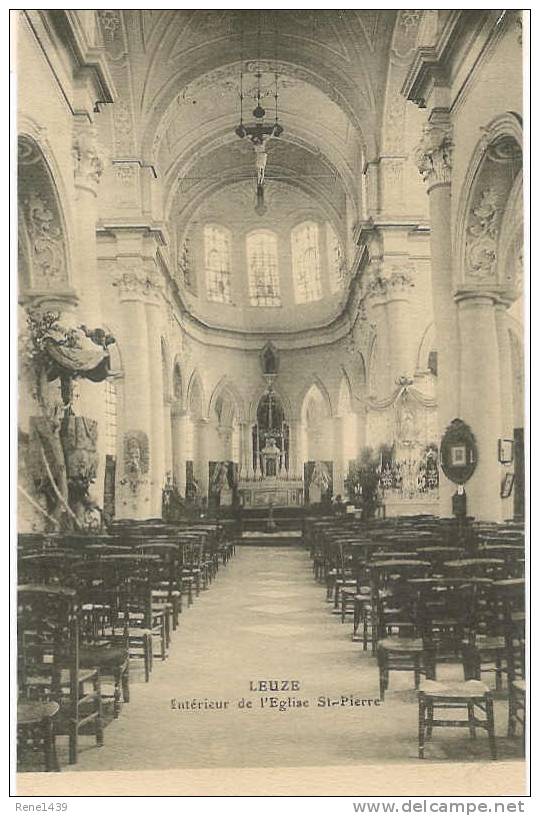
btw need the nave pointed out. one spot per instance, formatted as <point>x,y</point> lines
<point>265,617</point>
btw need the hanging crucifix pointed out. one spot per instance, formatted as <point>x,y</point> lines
<point>259,134</point>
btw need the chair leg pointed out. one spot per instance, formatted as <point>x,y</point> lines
<point>511,713</point>
<point>429,725</point>
<point>491,728</point>
<point>470,717</point>
<point>49,745</point>
<point>117,694</point>
<point>498,673</point>
<point>417,672</point>
<point>421,727</point>
<point>383,673</point>
<point>73,743</point>
<point>125,683</point>
<point>99,712</point>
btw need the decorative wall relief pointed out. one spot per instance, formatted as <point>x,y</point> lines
<point>482,235</point>
<point>48,263</point>
<point>41,231</point>
<point>136,460</point>
<point>434,154</point>
<point>88,163</point>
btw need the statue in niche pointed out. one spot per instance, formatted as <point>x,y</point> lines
<point>269,360</point>
<point>406,423</point>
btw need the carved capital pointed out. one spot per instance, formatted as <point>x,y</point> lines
<point>433,154</point>
<point>399,281</point>
<point>137,285</point>
<point>87,160</point>
<point>389,282</point>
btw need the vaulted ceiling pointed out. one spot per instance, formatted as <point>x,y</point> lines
<point>178,79</point>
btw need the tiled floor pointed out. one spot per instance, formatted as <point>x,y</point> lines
<point>263,618</point>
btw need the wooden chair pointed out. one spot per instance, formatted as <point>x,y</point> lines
<point>35,727</point>
<point>48,661</point>
<point>101,645</point>
<point>401,643</point>
<point>470,695</point>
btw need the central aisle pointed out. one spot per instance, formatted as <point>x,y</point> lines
<point>264,617</point>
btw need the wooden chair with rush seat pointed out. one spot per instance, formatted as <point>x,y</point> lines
<point>49,670</point>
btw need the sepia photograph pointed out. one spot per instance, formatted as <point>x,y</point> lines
<point>270,515</point>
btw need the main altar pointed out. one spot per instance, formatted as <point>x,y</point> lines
<point>271,484</point>
<point>269,480</point>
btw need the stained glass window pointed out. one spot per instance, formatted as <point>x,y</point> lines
<point>261,248</point>
<point>305,262</point>
<point>336,260</point>
<point>217,253</point>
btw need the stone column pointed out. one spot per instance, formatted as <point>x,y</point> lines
<point>298,448</point>
<point>179,422</point>
<point>153,339</point>
<point>245,465</point>
<point>481,399</point>
<point>339,455</point>
<point>434,160</point>
<point>401,355</point>
<point>134,500</point>
<point>88,169</point>
<point>376,292</point>
<point>201,430</point>
<point>167,431</point>
<point>507,394</point>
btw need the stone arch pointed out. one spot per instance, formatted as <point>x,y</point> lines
<point>44,256</point>
<point>372,367</point>
<point>316,394</point>
<point>345,395</point>
<point>428,345</point>
<point>489,208</point>
<point>177,381</point>
<point>281,396</point>
<point>232,402</point>
<point>196,402</point>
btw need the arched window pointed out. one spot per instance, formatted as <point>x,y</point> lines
<point>305,262</point>
<point>261,248</point>
<point>110,418</point>
<point>336,260</point>
<point>217,256</point>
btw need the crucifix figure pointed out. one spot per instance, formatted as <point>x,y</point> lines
<point>261,156</point>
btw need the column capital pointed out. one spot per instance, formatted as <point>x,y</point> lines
<point>179,411</point>
<point>136,284</point>
<point>434,153</point>
<point>393,282</point>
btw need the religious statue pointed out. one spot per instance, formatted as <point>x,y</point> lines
<point>270,456</point>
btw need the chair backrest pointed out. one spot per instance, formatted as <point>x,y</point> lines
<point>48,641</point>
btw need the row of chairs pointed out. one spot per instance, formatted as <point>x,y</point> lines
<point>422,591</point>
<point>89,608</point>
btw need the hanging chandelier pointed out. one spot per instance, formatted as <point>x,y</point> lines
<point>261,130</point>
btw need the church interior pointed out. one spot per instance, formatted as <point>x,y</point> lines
<point>271,388</point>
